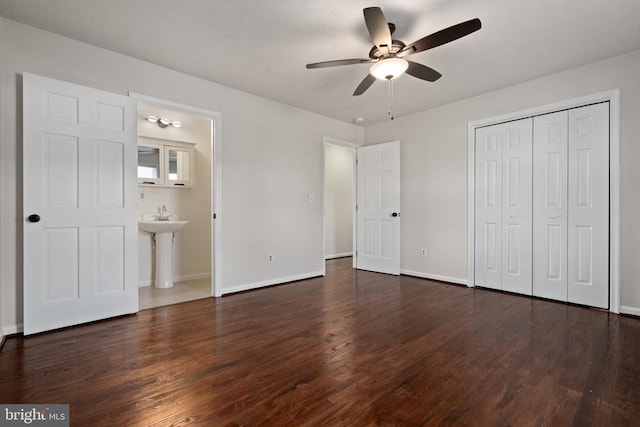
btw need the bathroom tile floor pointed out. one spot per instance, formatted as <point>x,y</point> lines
<point>150,296</point>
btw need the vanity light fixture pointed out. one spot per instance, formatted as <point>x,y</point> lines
<point>163,122</point>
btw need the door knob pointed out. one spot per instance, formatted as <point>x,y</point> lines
<point>512,215</point>
<point>395,214</point>
<point>34,218</point>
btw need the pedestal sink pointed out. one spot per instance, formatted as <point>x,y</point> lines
<point>164,241</point>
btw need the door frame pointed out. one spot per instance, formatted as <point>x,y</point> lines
<point>216,178</point>
<point>613,97</point>
<point>354,244</point>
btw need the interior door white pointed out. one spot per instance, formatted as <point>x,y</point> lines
<point>550,206</point>
<point>588,221</point>
<point>517,206</point>
<point>503,206</point>
<point>378,208</point>
<point>80,230</point>
<point>488,218</point>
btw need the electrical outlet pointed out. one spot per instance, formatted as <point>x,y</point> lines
<point>269,257</point>
<point>423,252</point>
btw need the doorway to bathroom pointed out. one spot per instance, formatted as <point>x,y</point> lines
<point>178,184</point>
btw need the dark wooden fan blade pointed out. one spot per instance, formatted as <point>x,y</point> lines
<point>443,36</point>
<point>378,27</point>
<point>339,62</point>
<point>364,85</point>
<point>423,72</point>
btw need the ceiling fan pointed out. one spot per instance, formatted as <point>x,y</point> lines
<point>387,56</point>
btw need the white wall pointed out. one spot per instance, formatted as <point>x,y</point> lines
<point>434,166</point>
<point>192,246</point>
<point>338,200</point>
<point>271,154</point>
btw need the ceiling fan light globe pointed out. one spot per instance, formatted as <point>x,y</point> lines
<point>389,68</point>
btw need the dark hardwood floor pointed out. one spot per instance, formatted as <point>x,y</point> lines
<point>354,348</point>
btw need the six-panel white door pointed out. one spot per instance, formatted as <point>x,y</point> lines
<point>80,229</point>
<point>571,205</point>
<point>378,208</point>
<point>503,206</point>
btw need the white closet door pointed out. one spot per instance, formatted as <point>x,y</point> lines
<point>516,206</point>
<point>488,242</point>
<point>503,206</point>
<point>550,206</point>
<point>588,239</point>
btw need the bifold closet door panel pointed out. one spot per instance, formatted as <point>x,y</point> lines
<point>550,137</point>
<point>503,220</point>
<point>517,206</point>
<point>588,207</point>
<point>488,218</point>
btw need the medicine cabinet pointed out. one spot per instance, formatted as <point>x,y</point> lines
<point>165,163</point>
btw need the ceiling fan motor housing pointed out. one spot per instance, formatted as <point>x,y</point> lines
<point>396,46</point>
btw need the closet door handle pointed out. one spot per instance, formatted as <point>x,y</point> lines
<point>512,215</point>
<point>553,216</point>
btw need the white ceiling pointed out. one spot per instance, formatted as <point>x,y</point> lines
<point>262,46</point>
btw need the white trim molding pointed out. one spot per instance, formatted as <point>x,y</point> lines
<point>279,281</point>
<point>634,311</point>
<point>12,330</point>
<point>198,276</point>
<point>613,97</point>
<point>437,277</point>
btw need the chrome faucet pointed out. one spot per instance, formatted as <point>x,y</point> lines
<point>163,214</point>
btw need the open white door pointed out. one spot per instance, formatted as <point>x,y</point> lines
<point>378,208</point>
<point>80,229</point>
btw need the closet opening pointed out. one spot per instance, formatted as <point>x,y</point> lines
<point>543,197</point>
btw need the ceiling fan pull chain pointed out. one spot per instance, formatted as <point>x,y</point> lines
<point>390,99</point>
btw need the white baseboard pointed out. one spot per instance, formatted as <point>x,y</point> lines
<point>12,329</point>
<point>197,276</point>
<point>346,254</point>
<point>271,282</point>
<point>629,310</point>
<point>437,277</point>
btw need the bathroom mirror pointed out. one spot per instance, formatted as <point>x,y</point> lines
<point>165,163</point>
<point>149,161</point>
<point>179,165</point>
